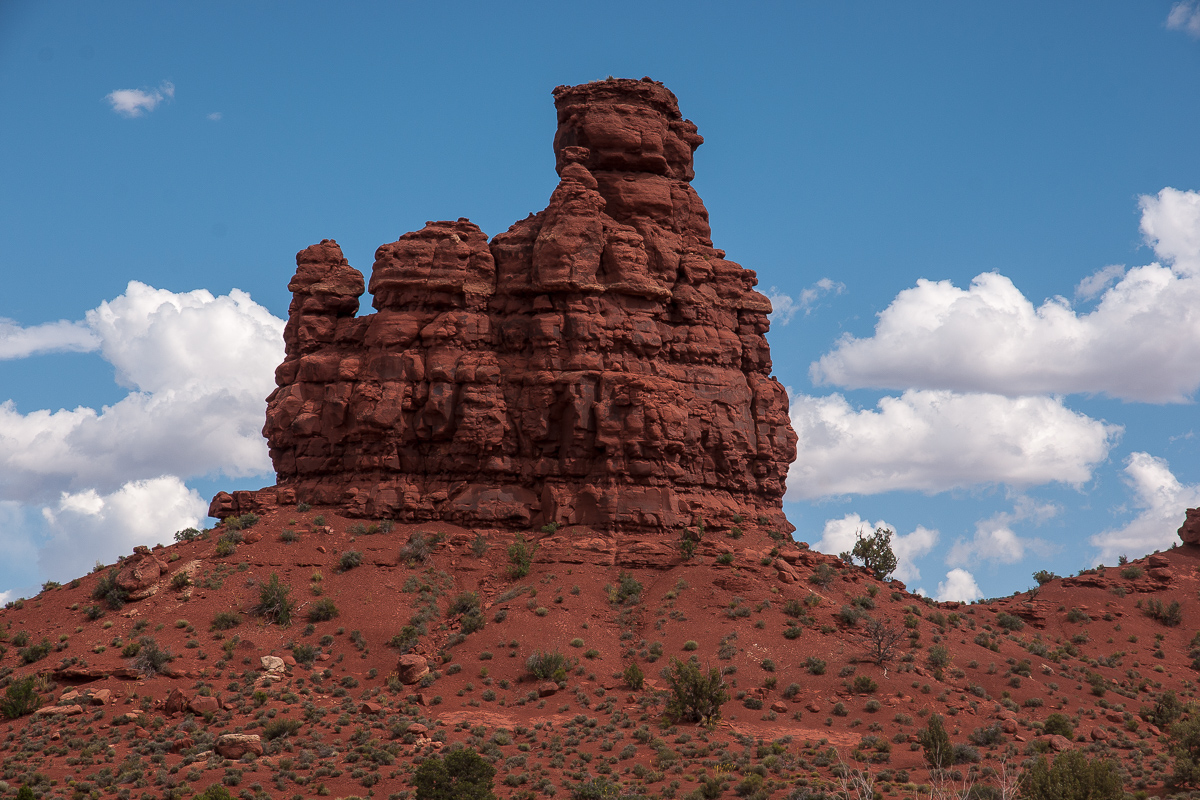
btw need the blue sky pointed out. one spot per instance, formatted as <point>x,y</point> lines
<point>869,160</point>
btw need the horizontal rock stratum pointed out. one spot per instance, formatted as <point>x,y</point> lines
<point>598,363</point>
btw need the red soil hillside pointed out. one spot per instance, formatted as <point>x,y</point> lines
<point>771,615</point>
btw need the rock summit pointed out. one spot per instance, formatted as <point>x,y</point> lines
<point>599,363</point>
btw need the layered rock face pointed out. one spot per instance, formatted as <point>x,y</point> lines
<point>598,363</point>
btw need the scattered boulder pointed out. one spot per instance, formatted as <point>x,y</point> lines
<point>411,668</point>
<point>140,571</point>
<point>547,688</point>
<point>176,703</point>
<point>272,663</point>
<point>235,745</point>
<point>201,704</point>
<point>1189,531</point>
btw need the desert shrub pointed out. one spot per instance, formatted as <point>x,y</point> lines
<point>547,665</point>
<point>35,652</point>
<point>1009,622</point>
<point>406,639</point>
<point>814,665</point>
<point>93,612</point>
<point>1184,743</point>
<point>305,653</point>
<point>225,620</point>
<point>215,791</point>
<point>273,602</point>
<point>187,535</point>
<point>935,742</point>
<point>240,523</point>
<point>634,678</point>
<point>627,591</point>
<point>1169,615</point>
<point>473,622</point>
<point>863,684</point>
<point>225,547</point>
<point>823,575</point>
<point>986,737</point>
<point>20,698</point>
<point>349,560</point>
<point>520,558</point>
<point>465,603</point>
<point>1073,776</point>
<point>462,775</point>
<point>418,549</point>
<point>1060,725</point>
<point>479,545</point>
<point>938,657</point>
<point>693,695</point>
<point>1165,711</point>
<point>278,728</point>
<point>180,581</point>
<point>289,536</point>
<point>151,658</point>
<point>322,610</point>
<point>725,559</point>
<point>849,615</point>
<point>109,592</point>
<point>1043,577</point>
<point>1132,572</point>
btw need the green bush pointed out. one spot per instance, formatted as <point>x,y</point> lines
<point>20,698</point>
<point>1169,615</point>
<point>935,742</point>
<point>225,620</point>
<point>305,653</point>
<point>151,658</point>
<point>1009,622</point>
<point>215,791</point>
<point>814,665</point>
<point>1058,725</point>
<point>548,665</point>
<point>863,684</point>
<point>187,535</point>
<point>633,676</point>
<point>239,523</point>
<point>418,549</point>
<point>1074,776</point>
<point>35,652</point>
<point>349,560</point>
<point>520,558</point>
<point>322,610</point>
<point>1043,577</point>
<point>462,775</point>
<point>278,728</point>
<point>693,695</point>
<point>180,581</point>
<point>107,591</point>
<point>627,591</point>
<point>1132,572</point>
<point>273,602</point>
<point>823,575</point>
<point>465,603</point>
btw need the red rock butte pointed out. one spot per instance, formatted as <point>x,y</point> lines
<point>599,363</point>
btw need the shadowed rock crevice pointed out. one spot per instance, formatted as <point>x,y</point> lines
<point>598,363</point>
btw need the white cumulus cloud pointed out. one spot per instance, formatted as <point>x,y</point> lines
<point>199,367</point>
<point>932,441</point>
<point>785,307</point>
<point>995,540</point>
<point>840,535</point>
<point>1163,501</point>
<point>17,341</point>
<point>87,526</point>
<point>136,102</point>
<point>1185,16</point>
<point>959,585</point>
<point>1141,341</point>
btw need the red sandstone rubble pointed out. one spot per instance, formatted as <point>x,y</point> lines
<point>598,363</point>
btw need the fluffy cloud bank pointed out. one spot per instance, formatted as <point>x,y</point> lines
<point>1141,342</point>
<point>136,102</point>
<point>1185,16</point>
<point>1162,500</point>
<point>932,441</point>
<point>198,368</point>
